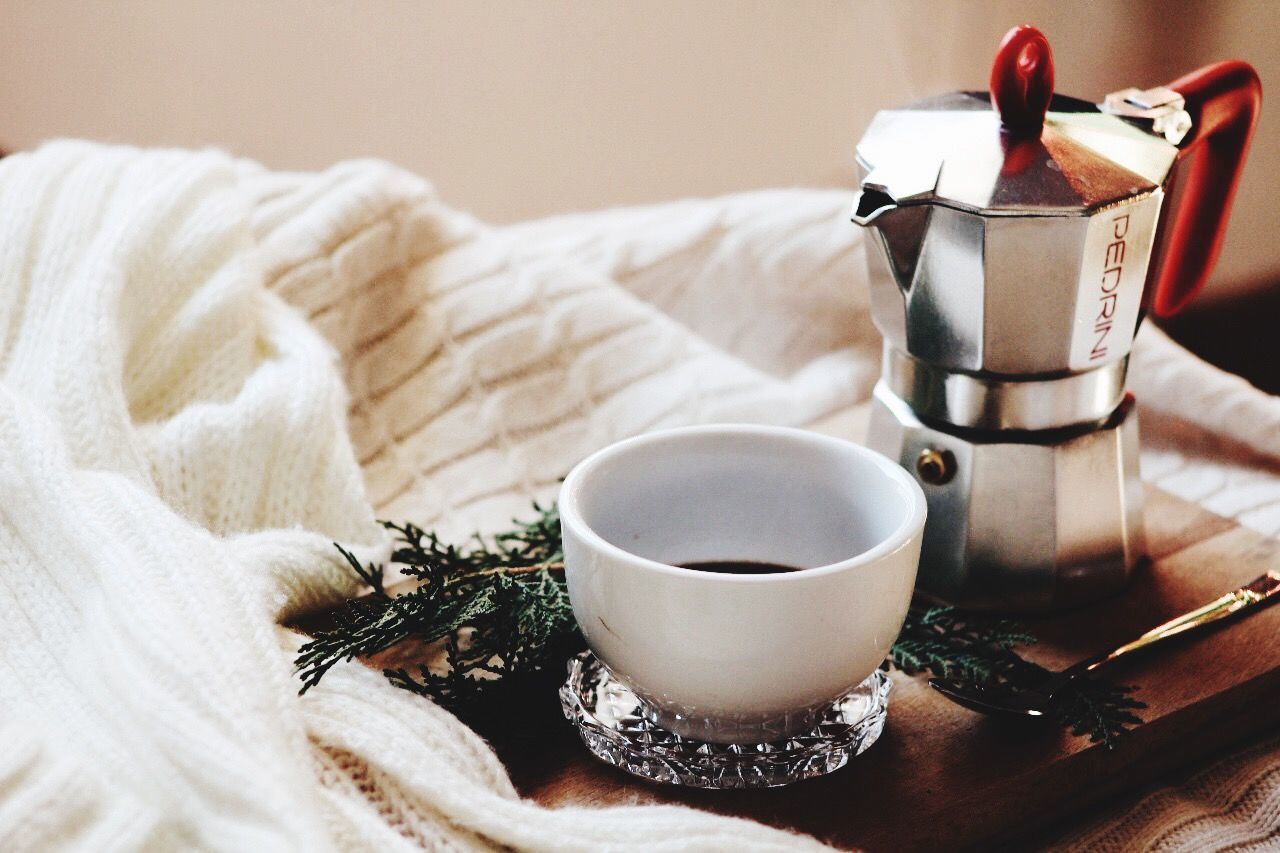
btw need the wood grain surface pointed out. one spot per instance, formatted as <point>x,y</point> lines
<point>941,777</point>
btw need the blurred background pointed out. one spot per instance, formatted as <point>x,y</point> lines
<point>523,109</point>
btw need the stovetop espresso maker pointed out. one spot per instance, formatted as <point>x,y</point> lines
<point>1020,237</point>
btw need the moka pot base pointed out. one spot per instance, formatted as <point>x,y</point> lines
<point>1020,519</point>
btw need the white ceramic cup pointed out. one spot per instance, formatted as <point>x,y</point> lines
<point>743,658</point>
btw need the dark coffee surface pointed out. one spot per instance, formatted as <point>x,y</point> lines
<point>739,567</point>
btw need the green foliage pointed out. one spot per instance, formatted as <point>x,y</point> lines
<point>499,612</point>
<point>498,609</point>
<point>947,643</point>
<point>1097,708</point>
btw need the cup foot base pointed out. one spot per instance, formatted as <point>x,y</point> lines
<point>615,729</point>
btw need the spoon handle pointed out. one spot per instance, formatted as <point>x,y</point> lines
<point>1246,597</point>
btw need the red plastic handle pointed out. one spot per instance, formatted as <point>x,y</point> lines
<point>1223,101</point>
<point>1022,81</point>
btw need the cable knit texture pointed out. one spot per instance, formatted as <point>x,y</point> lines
<point>209,372</point>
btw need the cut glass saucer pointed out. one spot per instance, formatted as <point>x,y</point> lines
<point>611,722</point>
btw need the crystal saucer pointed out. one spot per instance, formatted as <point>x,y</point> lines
<point>611,722</point>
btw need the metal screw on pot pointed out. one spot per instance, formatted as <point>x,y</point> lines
<point>936,467</point>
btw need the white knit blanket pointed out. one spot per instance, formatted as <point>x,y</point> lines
<point>209,372</point>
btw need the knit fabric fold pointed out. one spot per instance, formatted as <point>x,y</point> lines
<point>175,467</point>
<point>210,372</point>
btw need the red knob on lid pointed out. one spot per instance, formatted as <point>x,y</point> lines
<point>1022,80</point>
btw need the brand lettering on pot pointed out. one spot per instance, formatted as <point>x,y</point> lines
<point>1109,287</point>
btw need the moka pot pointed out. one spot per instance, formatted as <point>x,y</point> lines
<point>1019,239</point>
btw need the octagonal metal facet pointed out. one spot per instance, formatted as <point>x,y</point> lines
<point>1009,255</point>
<point>1011,295</point>
<point>1023,525</point>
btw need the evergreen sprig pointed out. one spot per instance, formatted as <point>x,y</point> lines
<point>497,611</point>
<point>948,643</point>
<point>1097,708</point>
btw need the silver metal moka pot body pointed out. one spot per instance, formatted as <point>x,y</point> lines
<point>1007,279</point>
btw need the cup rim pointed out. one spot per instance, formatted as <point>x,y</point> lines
<point>908,527</point>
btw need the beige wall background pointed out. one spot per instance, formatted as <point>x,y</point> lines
<point>521,109</point>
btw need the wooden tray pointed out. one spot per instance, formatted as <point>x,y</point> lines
<point>941,776</point>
